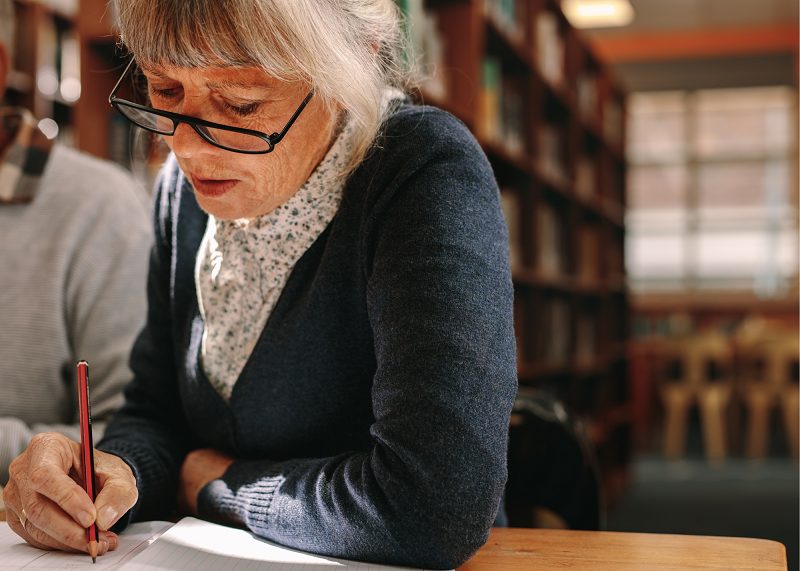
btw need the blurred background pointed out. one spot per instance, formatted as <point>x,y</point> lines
<point>647,156</point>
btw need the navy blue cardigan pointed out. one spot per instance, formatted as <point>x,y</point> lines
<point>371,420</point>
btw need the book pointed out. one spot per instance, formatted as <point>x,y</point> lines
<point>589,241</point>
<point>512,212</point>
<point>490,97</point>
<point>550,245</point>
<point>550,48</point>
<point>585,176</point>
<point>189,544</point>
<point>551,153</point>
<point>427,48</point>
<point>505,15</point>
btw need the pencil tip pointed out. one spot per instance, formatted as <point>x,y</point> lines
<point>93,551</point>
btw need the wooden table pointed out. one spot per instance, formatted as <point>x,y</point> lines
<point>511,549</point>
<point>546,549</point>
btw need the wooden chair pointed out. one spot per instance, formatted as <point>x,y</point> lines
<point>696,370</point>
<point>769,380</point>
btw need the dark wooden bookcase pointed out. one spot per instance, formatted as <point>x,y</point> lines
<point>564,198</point>
<point>55,37</point>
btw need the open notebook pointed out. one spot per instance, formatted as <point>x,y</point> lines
<point>190,544</point>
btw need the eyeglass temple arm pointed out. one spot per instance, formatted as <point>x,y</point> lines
<point>119,81</point>
<point>275,138</point>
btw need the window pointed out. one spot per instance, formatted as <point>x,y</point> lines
<point>712,191</point>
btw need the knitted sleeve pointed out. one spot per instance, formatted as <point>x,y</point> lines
<point>149,431</point>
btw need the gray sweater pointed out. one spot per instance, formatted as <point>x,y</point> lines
<point>371,419</point>
<point>72,287</point>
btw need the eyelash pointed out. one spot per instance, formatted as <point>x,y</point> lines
<point>240,110</point>
<point>163,93</point>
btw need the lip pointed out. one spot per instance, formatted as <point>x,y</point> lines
<point>212,187</point>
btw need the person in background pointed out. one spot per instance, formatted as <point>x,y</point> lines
<point>74,238</point>
<point>329,355</point>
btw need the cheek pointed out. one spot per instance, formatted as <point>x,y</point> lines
<point>255,169</point>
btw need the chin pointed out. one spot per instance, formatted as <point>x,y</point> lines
<point>220,209</point>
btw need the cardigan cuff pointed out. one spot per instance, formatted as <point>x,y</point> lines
<point>243,495</point>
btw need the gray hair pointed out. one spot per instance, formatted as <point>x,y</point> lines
<point>7,28</point>
<point>350,51</point>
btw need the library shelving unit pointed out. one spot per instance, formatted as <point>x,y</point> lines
<point>45,74</point>
<point>551,118</point>
<point>66,62</point>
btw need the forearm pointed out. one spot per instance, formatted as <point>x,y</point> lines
<point>14,437</point>
<point>358,507</point>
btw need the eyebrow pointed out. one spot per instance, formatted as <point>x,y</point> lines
<point>151,71</point>
<point>235,84</point>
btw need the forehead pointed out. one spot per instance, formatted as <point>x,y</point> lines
<point>214,77</point>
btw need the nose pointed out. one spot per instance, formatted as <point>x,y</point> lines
<point>187,143</point>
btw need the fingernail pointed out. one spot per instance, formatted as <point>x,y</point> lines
<point>85,519</point>
<point>106,517</point>
<point>102,548</point>
<point>110,538</point>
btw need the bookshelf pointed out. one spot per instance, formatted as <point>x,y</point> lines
<point>551,119</point>
<point>66,62</point>
<point>45,77</point>
<point>548,114</point>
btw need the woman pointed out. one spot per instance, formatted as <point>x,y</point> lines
<point>328,358</point>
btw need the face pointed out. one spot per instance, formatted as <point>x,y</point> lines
<point>234,185</point>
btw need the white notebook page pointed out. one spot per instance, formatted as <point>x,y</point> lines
<point>16,554</point>
<point>197,545</point>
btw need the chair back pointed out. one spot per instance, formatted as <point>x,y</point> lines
<point>697,360</point>
<point>551,466</point>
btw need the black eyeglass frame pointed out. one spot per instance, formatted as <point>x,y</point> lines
<point>195,123</point>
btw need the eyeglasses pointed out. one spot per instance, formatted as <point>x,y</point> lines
<point>225,137</point>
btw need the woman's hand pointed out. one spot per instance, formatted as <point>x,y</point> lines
<point>48,508</point>
<point>199,468</point>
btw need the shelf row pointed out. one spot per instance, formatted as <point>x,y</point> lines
<point>603,199</point>
<point>559,334</point>
<point>527,53</point>
<point>560,246</point>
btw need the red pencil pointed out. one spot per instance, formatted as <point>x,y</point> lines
<point>87,449</point>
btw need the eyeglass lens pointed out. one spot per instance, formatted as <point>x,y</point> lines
<point>221,137</point>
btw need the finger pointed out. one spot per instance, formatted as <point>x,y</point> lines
<point>27,531</point>
<point>47,522</point>
<point>34,517</point>
<point>11,498</point>
<point>118,492</point>
<point>52,457</point>
<point>114,500</point>
<point>111,538</point>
